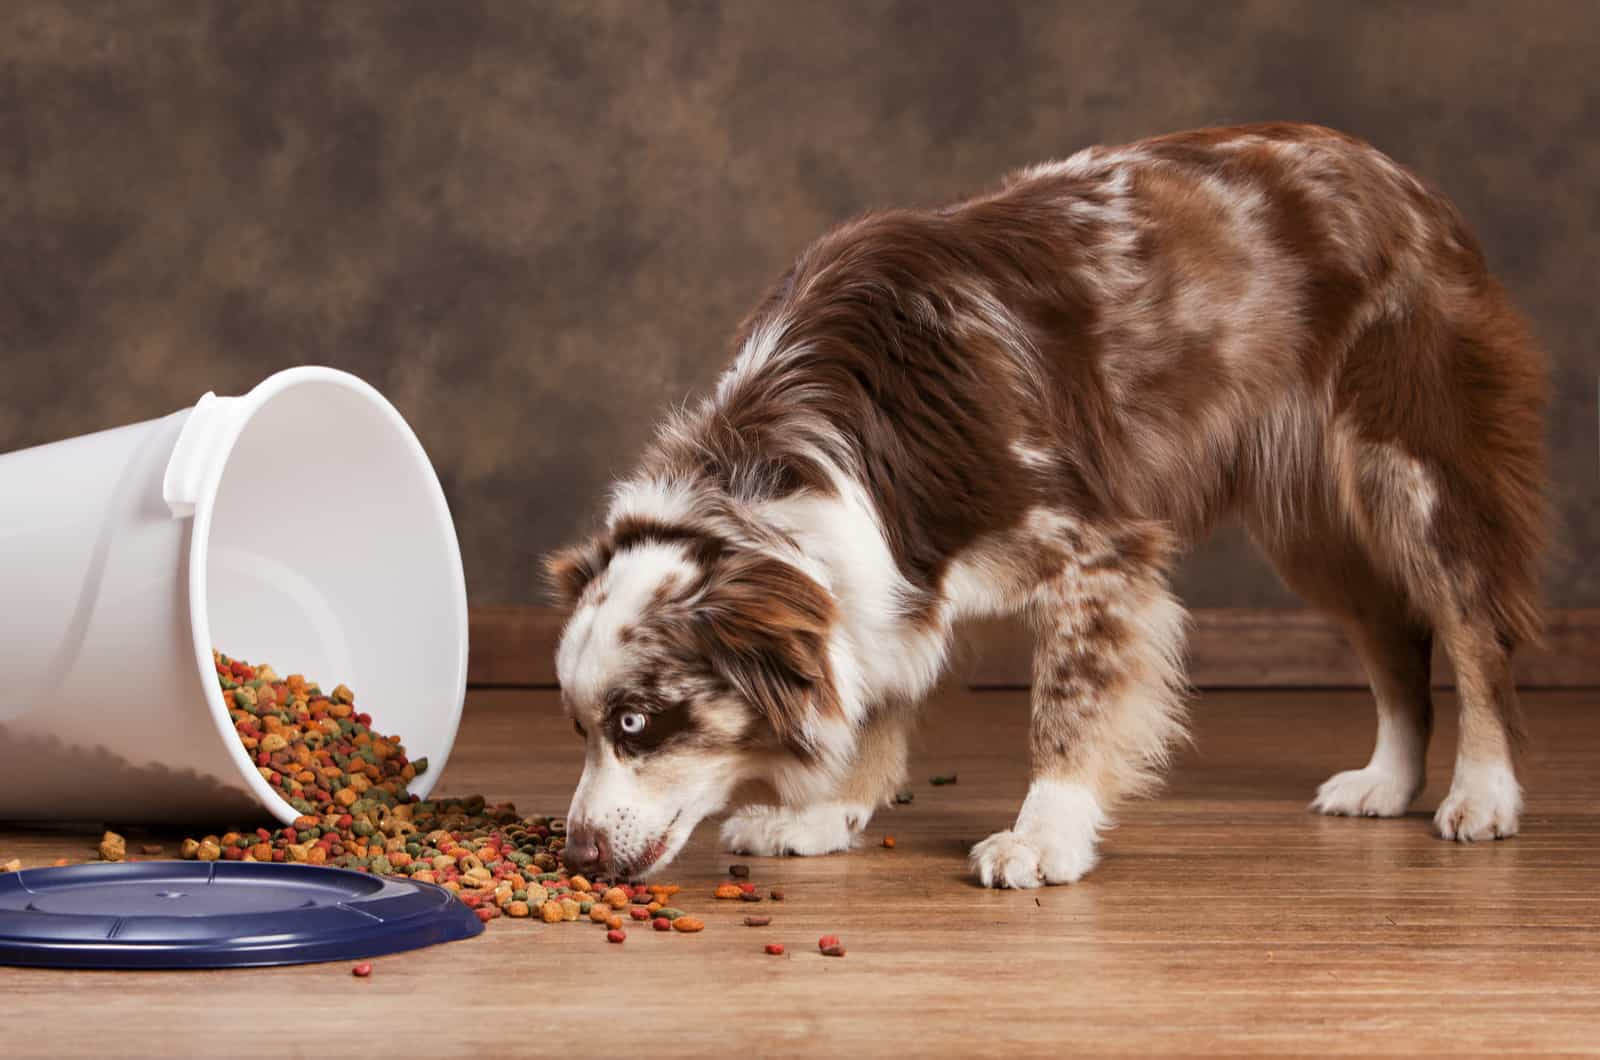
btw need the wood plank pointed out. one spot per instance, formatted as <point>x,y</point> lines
<point>1222,920</point>
<point>1228,648</point>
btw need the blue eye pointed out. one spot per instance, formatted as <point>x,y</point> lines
<point>632,723</point>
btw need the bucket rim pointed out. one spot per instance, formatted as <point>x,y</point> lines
<point>239,417</point>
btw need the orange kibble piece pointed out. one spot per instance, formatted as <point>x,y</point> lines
<point>688,924</point>
<point>729,890</point>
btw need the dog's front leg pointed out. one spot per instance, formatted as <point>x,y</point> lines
<point>876,772</point>
<point>1107,706</point>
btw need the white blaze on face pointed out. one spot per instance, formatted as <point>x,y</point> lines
<point>592,657</point>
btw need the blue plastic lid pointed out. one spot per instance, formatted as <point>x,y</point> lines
<point>217,914</point>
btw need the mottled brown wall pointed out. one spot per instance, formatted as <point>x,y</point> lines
<point>533,225</point>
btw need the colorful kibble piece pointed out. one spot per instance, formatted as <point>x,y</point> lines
<point>757,921</point>
<point>941,781</point>
<point>362,970</point>
<point>728,890</point>
<point>739,871</point>
<point>776,949</point>
<point>888,841</point>
<point>688,924</point>
<point>661,923</point>
<point>618,935</point>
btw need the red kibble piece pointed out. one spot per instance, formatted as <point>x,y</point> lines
<point>748,888</point>
<point>471,901</point>
<point>775,948</point>
<point>616,935</point>
<point>362,970</point>
<point>661,923</point>
<point>264,834</point>
<point>486,913</point>
<point>827,940</point>
<point>833,951</point>
<point>639,912</point>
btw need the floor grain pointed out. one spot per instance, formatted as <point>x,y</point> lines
<point>1223,919</point>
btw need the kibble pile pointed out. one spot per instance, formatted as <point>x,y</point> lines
<point>350,785</point>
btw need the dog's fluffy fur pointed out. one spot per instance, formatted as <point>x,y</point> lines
<point>1032,401</point>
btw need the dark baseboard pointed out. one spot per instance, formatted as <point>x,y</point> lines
<point>1228,648</point>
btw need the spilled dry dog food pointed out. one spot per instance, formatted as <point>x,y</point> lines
<point>349,783</point>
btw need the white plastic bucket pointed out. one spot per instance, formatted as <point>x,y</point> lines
<point>299,525</point>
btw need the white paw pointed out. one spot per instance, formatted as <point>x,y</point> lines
<point>1011,859</point>
<point>1052,842</point>
<point>1369,792</point>
<point>1484,803</point>
<point>771,831</point>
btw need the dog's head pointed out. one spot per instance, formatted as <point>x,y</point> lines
<point>689,666</point>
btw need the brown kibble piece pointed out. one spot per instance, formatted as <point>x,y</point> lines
<point>113,847</point>
<point>776,894</point>
<point>757,921</point>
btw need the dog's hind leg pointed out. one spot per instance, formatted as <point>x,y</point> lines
<point>1107,702</point>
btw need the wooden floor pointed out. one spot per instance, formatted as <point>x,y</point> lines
<point>1223,919</point>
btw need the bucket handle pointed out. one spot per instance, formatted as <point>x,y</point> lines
<point>192,456</point>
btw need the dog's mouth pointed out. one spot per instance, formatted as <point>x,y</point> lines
<point>653,852</point>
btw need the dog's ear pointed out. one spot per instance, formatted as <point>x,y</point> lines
<point>568,572</point>
<point>767,625</point>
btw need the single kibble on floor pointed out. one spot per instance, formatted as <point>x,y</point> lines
<point>518,909</point>
<point>688,924</point>
<point>775,948</point>
<point>833,951</point>
<point>152,849</point>
<point>616,935</point>
<point>362,970</point>
<point>757,921</point>
<point>614,922</point>
<point>827,940</point>
<point>941,781</point>
<point>639,912</point>
<point>113,847</point>
<point>600,912</point>
<point>747,888</point>
<point>888,841</point>
<point>670,912</point>
<point>14,865</point>
<point>189,850</point>
<point>901,798</point>
<point>776,894</point>
<point>661,923</point>
<point>740,871</point>
<point>750,896</point>
<point>61,862</point>
<point>728,890</point>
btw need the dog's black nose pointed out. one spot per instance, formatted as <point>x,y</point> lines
<point>584,852</point>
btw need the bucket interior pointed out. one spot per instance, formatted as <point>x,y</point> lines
<point>331,553</point>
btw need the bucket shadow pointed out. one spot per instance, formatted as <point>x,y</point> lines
<point>152,793</point>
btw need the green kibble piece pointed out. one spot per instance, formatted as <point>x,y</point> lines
<point>670,912</point>
<point>420,765</point>
<point>362,828</point>
<point>382,865</point>
<point>546,877</point>
<point>519,896</point>
<point>584,907</point>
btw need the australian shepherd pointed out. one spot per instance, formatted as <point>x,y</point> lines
<point>1034,401</point>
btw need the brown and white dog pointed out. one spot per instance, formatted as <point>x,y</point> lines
<point>1032,401</point>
